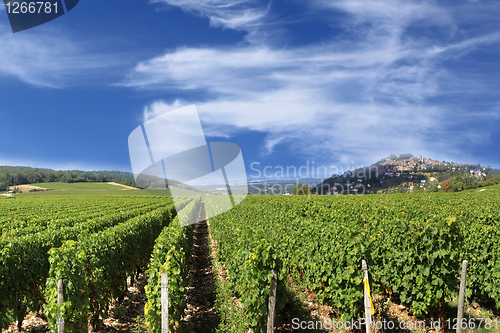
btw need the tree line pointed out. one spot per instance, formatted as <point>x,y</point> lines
<point>461,183</point>
<point>20,175</point>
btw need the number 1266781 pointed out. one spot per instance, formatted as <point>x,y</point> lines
<point>31,7</point>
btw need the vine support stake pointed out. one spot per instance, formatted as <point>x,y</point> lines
<point>60,301</point>
<point>364,267</point>
<point>272,303</point>
<point>461,296</point>
<point>164,303</point>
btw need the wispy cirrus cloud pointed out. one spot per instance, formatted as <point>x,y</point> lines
<point>242,15</point>
<point>391,80</point>
<point>399,12</point>
<point>50,59</point>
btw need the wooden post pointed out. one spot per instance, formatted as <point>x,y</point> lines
<point>164,303</point>
<point>461,297</point>
<point>60,301</point>
<point>272,303</point>
<point>364,267</point>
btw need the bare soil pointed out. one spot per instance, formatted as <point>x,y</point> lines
<point>201,314</point>
<point>27,188</point>
<point>126,186</point>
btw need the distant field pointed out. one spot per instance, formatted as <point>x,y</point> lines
<point>79,186</point>
<point>89,188</point>
<point>59,188</point>
<point>96,192</point>
<point>179,192</point>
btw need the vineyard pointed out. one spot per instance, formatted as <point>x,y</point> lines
<point>88,241</point>
<point>413,245</point>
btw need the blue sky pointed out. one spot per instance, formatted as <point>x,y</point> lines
<point>337,82</point>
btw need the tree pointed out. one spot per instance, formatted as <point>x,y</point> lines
<point>457,186</point>
<point>445,185</point>
<point>301,189</point>
<point>433,189</point>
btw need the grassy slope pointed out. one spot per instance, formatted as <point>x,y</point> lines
<point>494,188</point>
<point>79,186</point>
<point>98,189</point>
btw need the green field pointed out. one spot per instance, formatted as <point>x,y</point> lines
<point>492,187</point>
<point>79,186</point>
<point>59,188</point>
<point>96,192</point>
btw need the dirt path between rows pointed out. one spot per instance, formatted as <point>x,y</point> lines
<point>201,313</point>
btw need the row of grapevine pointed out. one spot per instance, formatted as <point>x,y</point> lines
<point>34,208</point>
<point>24,261</point>
<point>413,246</point>
<point>39,219</point>
<point>482,249</point>
<point>25,208</point>
<point>170,255</point>
<point>94,269</point>
<point>29,228</point>
<point>248,257</point>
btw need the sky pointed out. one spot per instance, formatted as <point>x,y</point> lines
<point>319,82</point>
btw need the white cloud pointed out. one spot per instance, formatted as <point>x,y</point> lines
<point>160,107</point>
<point>347,99</point>
<point>398,11</point>
<point>48,59</point>
<point>241,15</point>
<point>466,46</point>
